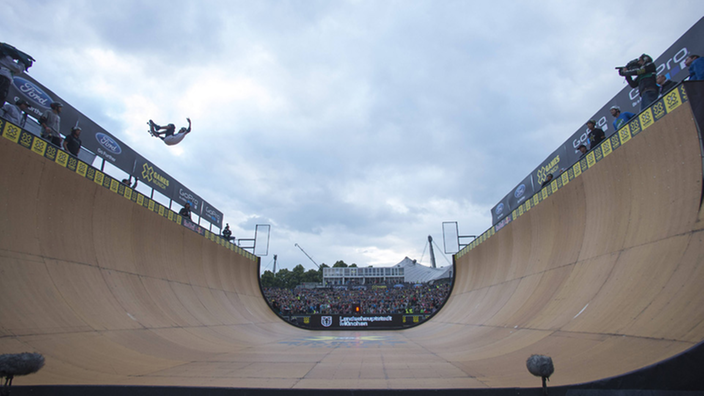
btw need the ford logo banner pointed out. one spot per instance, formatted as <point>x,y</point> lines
<point>109,143</point>
<point>34,94</point>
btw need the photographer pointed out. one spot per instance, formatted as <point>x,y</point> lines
<point>645,71</point>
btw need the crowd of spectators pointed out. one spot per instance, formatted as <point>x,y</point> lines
<point>410,299</point>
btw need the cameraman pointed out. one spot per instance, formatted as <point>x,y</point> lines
<point>645,71</point>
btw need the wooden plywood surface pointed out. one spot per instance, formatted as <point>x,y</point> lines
<point>604,276</point>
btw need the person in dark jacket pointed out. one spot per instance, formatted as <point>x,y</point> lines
<point>547,181</point>
<point>596,135</point>
<point>645,71</point>
<point>72,142</point>
<point>226,233</point>
<point>665,84</point>
<point>186,211</point>
<point>583,150</point>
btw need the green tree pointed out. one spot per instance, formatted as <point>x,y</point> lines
<point>339,264</point>
<point>268,279</point>
<point>283,278</point>
<point>313,276</point>
<point>297,276</point>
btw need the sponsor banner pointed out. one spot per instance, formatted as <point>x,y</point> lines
<point>522,192</point>
<point>192,226</point>
<point>211,214</point>
<point>502,223</point>
<point>183,195</point>
<point>555,164</point>
<point>355,322</point>
<point>105,145</point>
<point>669,102</point>
<point>154,177</point>
<point>10,131</point>
<point>93,137</point>
<point>670,64</point>
<point>501,210</point>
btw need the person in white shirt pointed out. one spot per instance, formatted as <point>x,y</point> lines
<point>15,113</point>
<point>8,68</point>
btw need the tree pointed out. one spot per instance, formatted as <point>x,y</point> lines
<point>339,264</point>
<point>289,279</point>
<point>283,278</point>
<point>313,276</point>
<point>297,276</point>
<point>268,279</point>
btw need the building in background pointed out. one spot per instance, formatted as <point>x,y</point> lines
<point>407,271</point>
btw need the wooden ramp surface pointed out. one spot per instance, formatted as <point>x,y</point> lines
<point>604,276</point>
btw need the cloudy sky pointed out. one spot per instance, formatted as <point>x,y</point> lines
<point>354,128</point>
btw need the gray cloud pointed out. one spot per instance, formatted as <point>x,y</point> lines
<point>354,128</point>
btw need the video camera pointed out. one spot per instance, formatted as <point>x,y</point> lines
<point>632,65</point>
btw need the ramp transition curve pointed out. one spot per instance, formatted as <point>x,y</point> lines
<point>605,276</point>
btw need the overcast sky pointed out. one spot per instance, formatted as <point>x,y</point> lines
<point>354,128</point>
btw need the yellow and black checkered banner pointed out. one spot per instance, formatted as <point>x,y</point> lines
<point>670,101</point>
<point>52,153</point>
<point>670,64</point>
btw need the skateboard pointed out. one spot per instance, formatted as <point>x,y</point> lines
<point>153,127</point>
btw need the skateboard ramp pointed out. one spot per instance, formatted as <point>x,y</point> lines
<point>604,276</point>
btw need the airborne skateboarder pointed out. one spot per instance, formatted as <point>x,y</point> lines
<point>168,131</point>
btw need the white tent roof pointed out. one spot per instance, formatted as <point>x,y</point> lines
<point>418,273</point>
